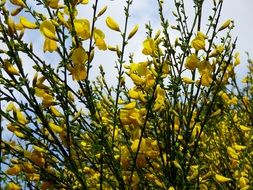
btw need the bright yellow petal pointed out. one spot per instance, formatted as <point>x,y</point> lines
<point>222,179</point>
<point>14,170</point>
<point>50,45</point>
<point>48,30</point>
<point>225,24</point>
<point>79,56</point>
<point>18,3</point>
<point>112,24</point>
<point>133,32</point>
<point>12,186</point>
<point>27,24</point>
<point>55,128</point>
<point>131,105</point>
<point>9,68</point>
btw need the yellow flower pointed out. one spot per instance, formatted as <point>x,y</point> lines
<point>12,186</point>
<point>14,170</point>
<point>133,93</point>
<point>133,32</point>
<point>9,68</point>
<point>225,24</point>
<point>222,179</point>
<point>47,100</point>
<point>84,1</point>
<point>33,177</point>
<point>27,24</point>
<point>237,59</point>
<point>54,4</point>
<point>20,117</point>
<point>150,81</point>
<point>206,79</point>
<point>49,45</point>
<point>79,56</point>
<point>204,67</point>
<point>11,26</point>
<point>187,80</point>
<point>19,134</point>
<point>243,182</point>
<point>148,46</point>
<point>198,42</point>
<point>191,62</point>
<point>135,144</point>
<point>55,128</point>
<point>112,24</point>
<point>131,116</point>
<point>99,39</point>
<point>55,111</point>
<point>217,51</point>
<point>78,72</point>
<point>232,153</point>
<point>137,79</point>
<point>160,99</point>
<point>28,167</point>
<point>60,16</point>
<point>18,3</point>
<point>48,30</point>
<point>244,128</point>
<point>130,105</point>
<point>82,28</point>
<point>38,158</point>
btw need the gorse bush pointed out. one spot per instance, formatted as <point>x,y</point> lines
<point>184,122</point>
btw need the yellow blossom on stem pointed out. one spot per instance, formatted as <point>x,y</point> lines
<point>55,128</point>
<point>135,144</point>
<point>225,24</point>
<point>137,79</point>
<point>206,79</point>
<point>82,28</point>
<point>27,24</point>
<point>60,16</point>
<point>79,58</point>
<point>112,24</point>
<point>198,42</point>
<point>133,32</point>
<point>12,186</point>
<point>133,93</point>
<point>9,68</point>
<point>99,39</point>
<point>149,46</point>
<point>27,167</point>
<point>84,1</point>
<point>48,30</point>
<point>222,179</point>
<point>130,105</point>
<point>20,117</point>
<point>14,170</point>
<point>18,3</point>
<point>54,4</point>
<point>38,158</point>
<point>232,153</point>
<point>191,62</point>
<point>187,80</point>
<point>237,59</point>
